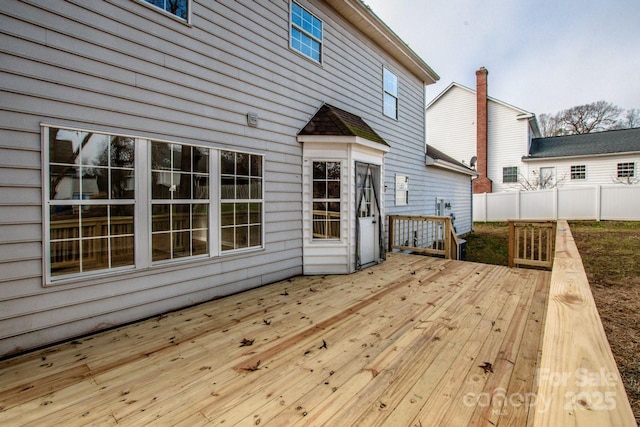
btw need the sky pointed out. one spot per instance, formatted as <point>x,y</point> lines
<point>542,56</point>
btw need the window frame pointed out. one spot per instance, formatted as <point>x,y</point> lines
<point>402,190</point>
<point>387,93</point>
<point>507,171</point>
<point>313,38</point>
<point>578,172</point>
<point>327,200</point>
<point>236,200</point>
<point>150,5</point>
<point>143,213</point>
<point>626,170</point>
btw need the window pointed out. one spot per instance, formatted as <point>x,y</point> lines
<point>510,174</point>
<point>390,94</point>
<point>179,8</point>
<point>547,177</point>
<point>626,170</point>
<point>402,190</point>
<point>117,202</point>
<point>179,200</point>
<point>91,201</point>
<point>241,200</point>
<point>326,200</point>
<point>306,32</point>
<point>578,172</point>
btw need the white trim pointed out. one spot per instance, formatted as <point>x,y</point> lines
<point>580,156</point>
<point>332,139</point>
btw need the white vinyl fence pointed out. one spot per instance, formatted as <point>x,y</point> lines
<point>600,202</point>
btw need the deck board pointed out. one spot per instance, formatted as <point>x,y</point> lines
<point>405,341</point>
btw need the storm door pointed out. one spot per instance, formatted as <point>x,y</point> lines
<point>368,219</point>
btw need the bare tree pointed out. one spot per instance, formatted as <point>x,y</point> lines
<point>550,125</point>
<point>594,117</point>
<point>538,181</point>
<point>631,119</point>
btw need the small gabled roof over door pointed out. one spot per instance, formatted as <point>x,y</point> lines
<point>333,121</point>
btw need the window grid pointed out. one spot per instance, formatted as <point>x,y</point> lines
<point>115,203</point>
<point>579,172</point>
<point>626,170</point>
<point>241,200</point>
<point>510,174</point>
<point>179,200</point>
<point>326,188</point>
<point>306,32</point>
<point>90,206</point>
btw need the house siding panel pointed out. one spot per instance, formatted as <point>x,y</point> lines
<point>122,67</point>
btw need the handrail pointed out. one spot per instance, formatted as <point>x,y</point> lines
<point>578,381</point>
<point>424,234</point>
<point>531,243</point>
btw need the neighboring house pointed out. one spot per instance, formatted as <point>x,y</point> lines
<point>589,159</point>
<point>157,157</point>
<point>483,132</point>
<point>450,184</point>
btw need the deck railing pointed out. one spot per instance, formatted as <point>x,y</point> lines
<point>531,243</point>
<point>424,234</point>
<point>578,380</point>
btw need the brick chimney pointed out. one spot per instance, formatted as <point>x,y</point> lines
<point>482,184</point>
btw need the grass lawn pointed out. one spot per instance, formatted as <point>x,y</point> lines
<point>610,252</point>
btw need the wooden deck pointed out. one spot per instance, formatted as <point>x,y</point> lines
<point>413,341</point>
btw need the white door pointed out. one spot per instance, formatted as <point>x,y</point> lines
<point>367,214</point>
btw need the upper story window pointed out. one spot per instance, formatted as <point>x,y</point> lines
<point>179,8</point>
<point>326,200</point>
<point>510,174</point>
<point>626,170</point>
<point>578,172</point>
<point>390,94</point>
<point>306,32</point>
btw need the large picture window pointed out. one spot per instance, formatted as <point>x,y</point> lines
<point>306,32</point>
<point>326,200</point>
<point>117,202</point>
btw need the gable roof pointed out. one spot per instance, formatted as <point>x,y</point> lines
<point>588,144</point>
<point>439,159</point>
<point>333,121</point>
<point>522,114</point>
<point>364,19</point>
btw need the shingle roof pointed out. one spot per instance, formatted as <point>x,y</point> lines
<point>330,120</point>
<point>439,155</point>
<point>588,144</point>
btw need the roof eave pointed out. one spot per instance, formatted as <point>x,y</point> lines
<point>364,19</point>
<point>449,166</point>
<point>579,156</point>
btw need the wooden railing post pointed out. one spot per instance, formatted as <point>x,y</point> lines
<point>512,235</point>
<point>391,232</point>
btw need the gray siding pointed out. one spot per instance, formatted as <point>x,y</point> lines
<point>119,66</point>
